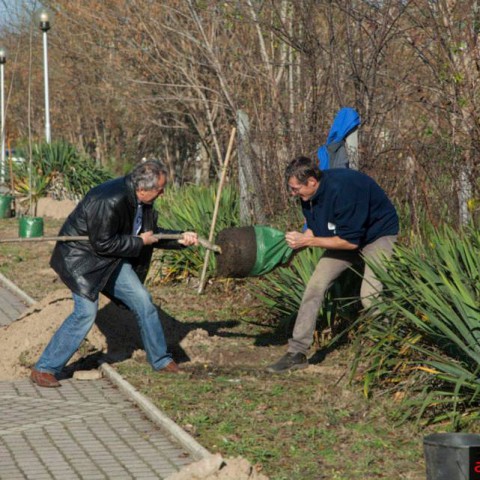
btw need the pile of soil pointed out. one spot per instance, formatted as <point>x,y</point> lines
<point>214,467</point>
<point>115,336</point>
<point>24,340</point>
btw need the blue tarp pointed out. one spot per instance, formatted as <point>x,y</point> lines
<point>346,121</point>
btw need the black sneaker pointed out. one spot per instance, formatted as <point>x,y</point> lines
<point>290,361</point>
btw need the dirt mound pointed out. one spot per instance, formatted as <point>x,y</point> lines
<point>115,336</point>
<point>214,467</point>
<point>24,340</point>
<point>199,345</point>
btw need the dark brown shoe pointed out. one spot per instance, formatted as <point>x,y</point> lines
<point>44,379</point>
<point>172,367</point>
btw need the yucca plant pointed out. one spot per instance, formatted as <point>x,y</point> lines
<point>191,208</point>
<point>423,335</point>
<point>60,169</point>
<point>34,187</point>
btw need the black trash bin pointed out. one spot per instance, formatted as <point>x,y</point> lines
<point>452,456</point>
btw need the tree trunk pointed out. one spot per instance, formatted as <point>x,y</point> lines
<point>352,149</point>
<point>251,210</point>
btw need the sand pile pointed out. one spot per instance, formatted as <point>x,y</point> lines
<point>48,207</point>
<point>199,346</point>
<point>115,335</point>
<point>215,467</point>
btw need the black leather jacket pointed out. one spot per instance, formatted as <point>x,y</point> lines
<point>106,215</point>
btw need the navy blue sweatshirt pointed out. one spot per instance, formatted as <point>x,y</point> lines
<point>351,205</point>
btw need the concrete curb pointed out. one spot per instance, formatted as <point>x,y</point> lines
<point>11,286</point>
<point>154,414</point>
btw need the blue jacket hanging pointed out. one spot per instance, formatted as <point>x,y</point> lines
<point>333,153</point>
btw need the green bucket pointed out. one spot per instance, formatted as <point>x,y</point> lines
<point>5,206</point>
<point>29,227</point>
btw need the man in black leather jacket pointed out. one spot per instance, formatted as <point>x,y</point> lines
<point>119,218</point>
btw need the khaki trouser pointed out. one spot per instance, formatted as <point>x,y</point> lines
<point>329,268</point>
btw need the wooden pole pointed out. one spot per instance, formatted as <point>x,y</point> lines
<point>13,206</point>
<point>215,210</point>
<point>160,236</point>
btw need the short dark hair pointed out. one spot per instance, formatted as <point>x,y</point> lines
<point>145,175</point>
<point>302,168</point>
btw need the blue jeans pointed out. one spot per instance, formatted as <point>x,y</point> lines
<point>124,285</point>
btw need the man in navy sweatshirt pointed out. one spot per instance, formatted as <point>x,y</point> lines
<point>348,215</point>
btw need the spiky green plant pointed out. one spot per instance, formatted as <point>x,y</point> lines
<point>424,337</point>
<point>191,208</point>
<point>59,169</point>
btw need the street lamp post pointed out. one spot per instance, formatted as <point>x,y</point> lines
<point>3,60</point>
<point>45,21</point>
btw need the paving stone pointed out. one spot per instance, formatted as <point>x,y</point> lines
<point>84,430</point>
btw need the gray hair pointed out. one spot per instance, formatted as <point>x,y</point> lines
<point>145,175</point>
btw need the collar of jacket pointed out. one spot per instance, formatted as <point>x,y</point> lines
<point>132,195</point>
<point>316,197</point>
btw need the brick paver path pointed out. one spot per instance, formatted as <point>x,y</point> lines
<point>83,430</point>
